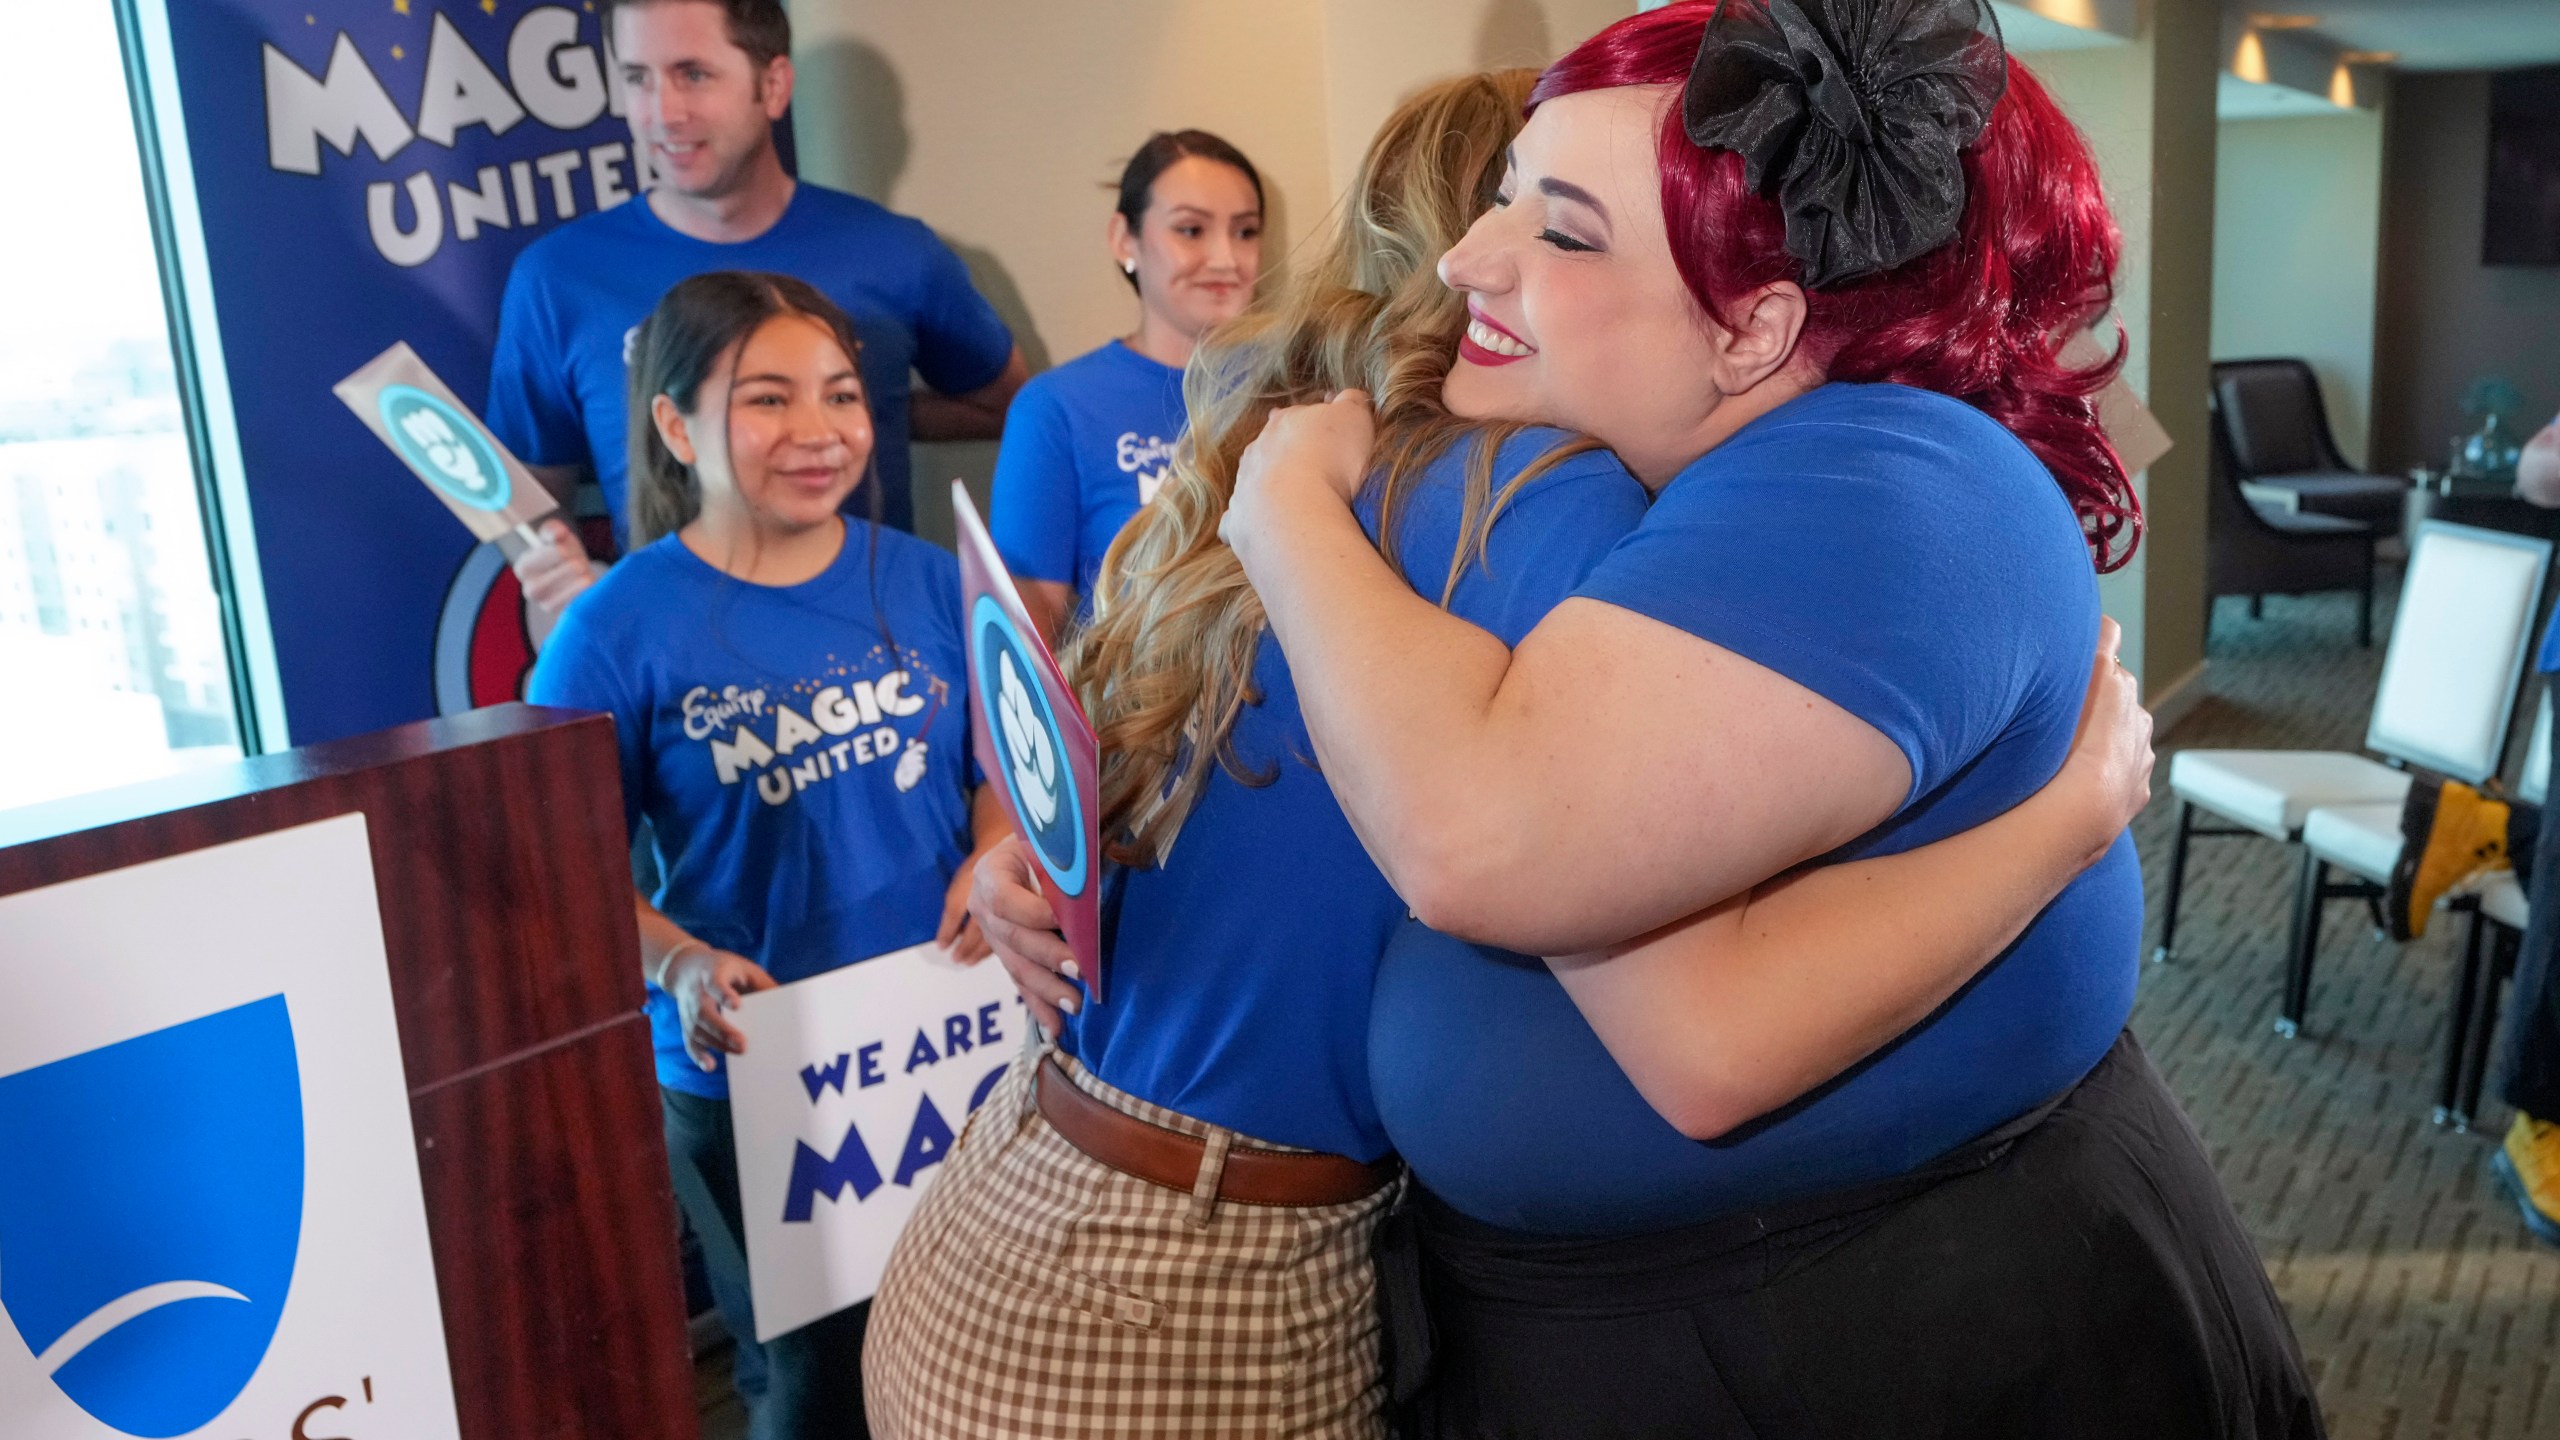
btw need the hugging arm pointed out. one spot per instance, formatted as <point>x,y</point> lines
<point>1723,1017</point>
<point>1611,776</point>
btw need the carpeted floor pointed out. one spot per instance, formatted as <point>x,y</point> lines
<point>2423,1308</point>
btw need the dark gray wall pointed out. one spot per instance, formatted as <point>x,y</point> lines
<point>2445,318</point>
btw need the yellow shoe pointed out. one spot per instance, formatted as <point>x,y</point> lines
<point>2529,1167</point>
<point>2450,833</point>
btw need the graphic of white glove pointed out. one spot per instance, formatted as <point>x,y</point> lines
<point>446,452</point>
<point>1035,764</point>
<point>910,765</point>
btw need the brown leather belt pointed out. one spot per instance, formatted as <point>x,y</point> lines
<point>1172,1159</point>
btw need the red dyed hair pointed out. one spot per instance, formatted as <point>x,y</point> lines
<point>1980,318</point>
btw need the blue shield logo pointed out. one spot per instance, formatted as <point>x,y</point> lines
<point>439,443</point>
<point>150,1210</point>
<point>1029,746</point>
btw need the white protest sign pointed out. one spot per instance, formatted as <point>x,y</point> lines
<point>853,1087</point>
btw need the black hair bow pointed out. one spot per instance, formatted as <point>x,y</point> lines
<point>1857,111</point>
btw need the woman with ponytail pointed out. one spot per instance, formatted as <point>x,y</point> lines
<point>1805,265</point>
<point>1086,444</point>
<point>789,692</point>
<point>1164,1224</point>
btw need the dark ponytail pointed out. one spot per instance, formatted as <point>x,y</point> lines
<point>696,324</point>
<point>1159,154</point>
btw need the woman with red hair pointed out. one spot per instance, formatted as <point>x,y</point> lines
<point>1161,1221</point>
<point>1805,266</point>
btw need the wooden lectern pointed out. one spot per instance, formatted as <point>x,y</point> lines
<point>505,880</point>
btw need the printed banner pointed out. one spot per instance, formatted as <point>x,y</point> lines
<point>367,174</point>
<point>854,1085</point>
<point>485,486</point>
<point>210,1217</point>
<point>1032,737</point>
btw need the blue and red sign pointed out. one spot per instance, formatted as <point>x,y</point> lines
<point>1033,740</point>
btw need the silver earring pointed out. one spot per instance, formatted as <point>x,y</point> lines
<point>1129,267</point>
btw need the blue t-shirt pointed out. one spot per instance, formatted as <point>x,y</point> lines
<point>1085,446</point>
<point>558,383</point>
<point>1902,555</point>
<point>1241,967</point>
<point>803,766</point>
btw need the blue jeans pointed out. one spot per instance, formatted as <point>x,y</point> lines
<point>813,1376</point>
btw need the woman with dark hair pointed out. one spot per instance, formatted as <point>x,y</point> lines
<point>1805,265</point>
<point>1086,444</point>
<point>789,693</point>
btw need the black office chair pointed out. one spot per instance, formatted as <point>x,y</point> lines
<point>2258,549</point>
<point>2280,441</point>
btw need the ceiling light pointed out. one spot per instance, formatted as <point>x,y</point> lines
<point>2250,63</point>
<point>2368,57</point>
<point>2283,22</point>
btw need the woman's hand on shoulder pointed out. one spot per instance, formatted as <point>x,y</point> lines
<point>705,983</point>
<point>1020,927</point>
<point>2109,767</point>
<point>1304,452</point>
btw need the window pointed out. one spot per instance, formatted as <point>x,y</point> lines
<point>111,633</point>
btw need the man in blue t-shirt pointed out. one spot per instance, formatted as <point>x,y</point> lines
<point>703,83</point>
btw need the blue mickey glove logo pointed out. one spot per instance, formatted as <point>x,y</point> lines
<point>445,447</point>
<point>150,1212</point>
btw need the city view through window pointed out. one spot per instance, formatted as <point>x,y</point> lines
<point>110,632</point>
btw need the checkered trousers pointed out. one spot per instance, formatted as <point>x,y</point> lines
<point>1037,1292</point>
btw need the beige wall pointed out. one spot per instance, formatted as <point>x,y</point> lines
<point>1377,51</point>
<point>1004,123</point>
<point>2107,92</point>
<point>2148,110</point>
<point>2296,249</point>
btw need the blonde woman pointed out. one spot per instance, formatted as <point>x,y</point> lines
<point>1162,1223</point>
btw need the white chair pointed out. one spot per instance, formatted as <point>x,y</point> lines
<point>2499,916</point>
<point>2448,688</point>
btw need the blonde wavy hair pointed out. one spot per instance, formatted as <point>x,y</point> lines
<point>1166,660</point>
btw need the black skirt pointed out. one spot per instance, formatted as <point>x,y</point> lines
<point>2076,1273</point>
